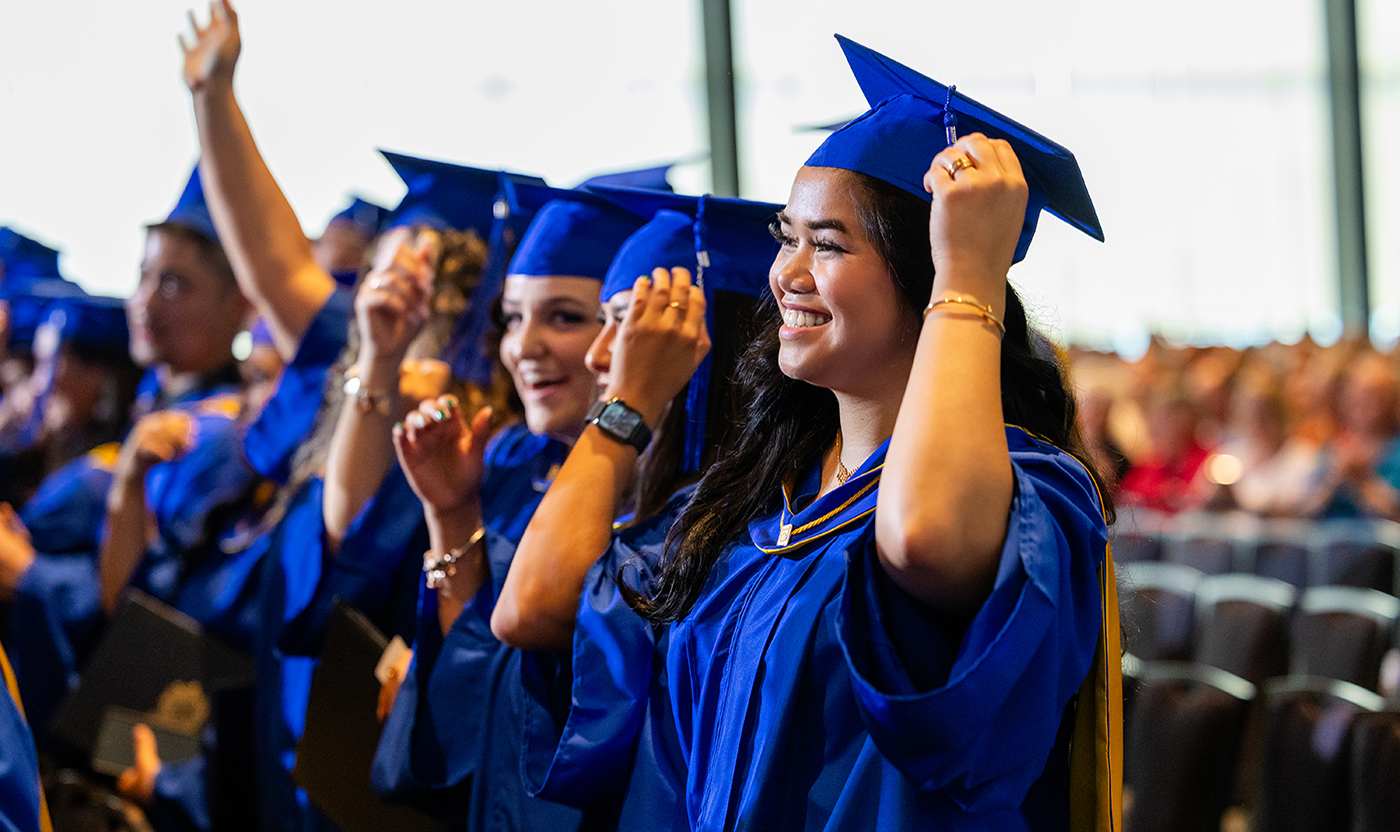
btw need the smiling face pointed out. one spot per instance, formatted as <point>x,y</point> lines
<point>550,322</point>
<point>845,325</point>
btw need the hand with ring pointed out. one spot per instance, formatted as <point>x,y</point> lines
<point>979,205</point>
<point>661,341</point>
<point>441,453</point>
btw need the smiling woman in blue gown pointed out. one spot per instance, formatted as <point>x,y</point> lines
<point>885,599</point>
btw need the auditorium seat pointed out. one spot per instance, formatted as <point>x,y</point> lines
<point>1375,771</point>
<point>1305,770</point>
<point>1359,553</point>
<point>1342,632</point>
<point>1158,606</point>
<point>1242,625</point>
<point>1181,745</point>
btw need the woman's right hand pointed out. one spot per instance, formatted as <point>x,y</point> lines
<point>211,58</point>
<point>661,342</point>
<point>441,454</point>
<point>159,437</point>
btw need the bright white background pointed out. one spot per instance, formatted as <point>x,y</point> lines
<point>1200,125</point>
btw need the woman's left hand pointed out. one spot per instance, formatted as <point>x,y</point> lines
<point>979,205</point>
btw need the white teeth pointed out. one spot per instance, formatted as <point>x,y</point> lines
<point>531,376</point>
<point>799,318</point>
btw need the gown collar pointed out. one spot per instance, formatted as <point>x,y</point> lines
<point>832,513</point>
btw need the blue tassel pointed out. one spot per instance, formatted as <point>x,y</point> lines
<point>950,118</point>
<point>465,353</point>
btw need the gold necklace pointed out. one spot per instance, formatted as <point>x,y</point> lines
<point>842,473</point>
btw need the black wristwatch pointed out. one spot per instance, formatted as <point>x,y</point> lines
<point>621,423</point>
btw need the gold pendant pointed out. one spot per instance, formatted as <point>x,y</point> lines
<point>784,534</point>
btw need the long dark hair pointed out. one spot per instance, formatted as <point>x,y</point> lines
<point>788,424</point>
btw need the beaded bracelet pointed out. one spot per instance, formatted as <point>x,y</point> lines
<point>438,568</point>
<point>985,311</point>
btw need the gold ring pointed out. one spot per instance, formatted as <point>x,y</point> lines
<point>961,163</point>
<point>675,304</point>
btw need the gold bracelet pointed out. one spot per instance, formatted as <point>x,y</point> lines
<point>985,311</point>
<point>439,568</point>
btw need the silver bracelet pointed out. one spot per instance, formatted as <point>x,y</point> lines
<point>438,568</point>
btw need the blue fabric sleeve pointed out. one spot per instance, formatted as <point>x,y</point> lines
<point>19,770</point>
<point>428,741</point>
<point>66,515</point>
<point>375,570</point>
<point>290,413</point>
<point>57,618</point>
<point>976,716</point>
<point>585,713</point>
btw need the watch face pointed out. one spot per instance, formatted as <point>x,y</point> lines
<point>619,419</point>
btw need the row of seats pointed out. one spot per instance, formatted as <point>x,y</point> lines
<point>1352,552</point>
<point>1249,691</point>
<point>1303,753</point>
<point>1256,627</point>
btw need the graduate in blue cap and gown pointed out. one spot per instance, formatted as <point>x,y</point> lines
<point>884,598</point>
<point>191,371</point>
<point>559,583</point>
<point>83,385</point>
<point>30,283</point>
<point>478,501</point>
<point>342,246</point>
<point>343,493</point>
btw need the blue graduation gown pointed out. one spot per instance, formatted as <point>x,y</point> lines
<point>809,692</point>
<point>20,799</point>
<point>56,616</point>
<point>461,766</point>
<point>598,730</point>
<point>377,569</point>
<point>289,415</point>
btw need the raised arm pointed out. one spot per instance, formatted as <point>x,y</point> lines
<point>945,494</point>
<point>390,310</point>
<point>270,254</point>
<point>660,342</point>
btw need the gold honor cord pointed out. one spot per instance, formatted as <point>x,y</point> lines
<point>786,530</point>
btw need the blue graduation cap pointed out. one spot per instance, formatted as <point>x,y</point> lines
<point>361,214</point>
<point>30,299</point>
<point>94,326</point>
<point>653,178</point>
<point>913,116</point>
<point>24,257</point>
<point>191,211</point>
<point>667,241</point>
<point>575,233</point>
<point>733,250</point>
